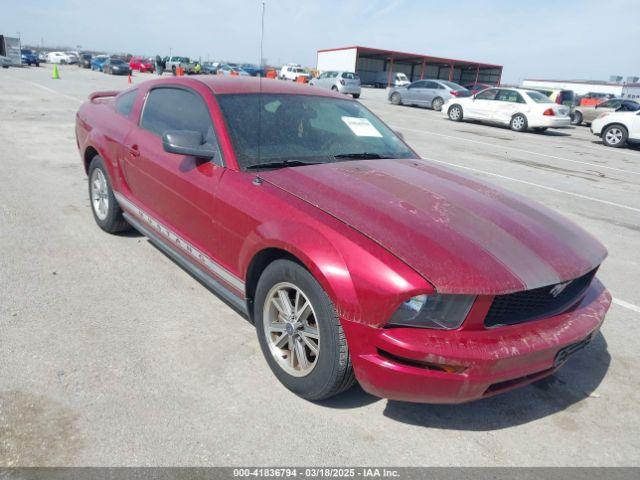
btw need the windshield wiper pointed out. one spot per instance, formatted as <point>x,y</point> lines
<point>359,156</point>
<point>279,164</point>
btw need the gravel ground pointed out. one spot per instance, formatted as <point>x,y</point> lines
<point>112,355</point>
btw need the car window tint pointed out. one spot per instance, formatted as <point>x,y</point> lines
<point>487,94</point>
<point>419,84</point>
<point>428,84</point>
<point>124,103</point>
<point>175,109</point>
<point>349,75</point>
<point>509,96</point>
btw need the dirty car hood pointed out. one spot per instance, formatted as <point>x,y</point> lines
<point>459,233</point>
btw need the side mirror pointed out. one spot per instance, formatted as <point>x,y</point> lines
<point>187,142</point>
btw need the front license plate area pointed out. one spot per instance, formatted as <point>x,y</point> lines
<point>569,350</point>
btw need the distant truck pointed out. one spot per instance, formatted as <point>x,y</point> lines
<point>10,48</point>
<point>381,79</point>
<point>173,62</point>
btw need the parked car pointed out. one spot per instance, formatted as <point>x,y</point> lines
<point>98,61</point>
<point>141,64</point>
<point>353,257</point>
<point>557,95</point>
<point>427,93</point>
<point>210,67</point>
<point>588,113</point>
<point>226,69</point>
<point>29,57</point>
<point>343,82</point>
<point>520,109</point>
<point>617,129</point>
<point>173,62</point>
<point>476,87</point>
<point>116,66</point>
<point>382,79</point>
<point>253,70</point>
<point>58,57</point>
<point>84,60</point>
<point>72,58</point>
<point>292,72</point>
<point>42,57</point>
<point>5,62</point>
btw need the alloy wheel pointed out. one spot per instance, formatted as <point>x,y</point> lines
<point>614,136</point>
<point>518,122</point>
<point>454,113</point>
<point>291,329</point>
<point>99,194</point>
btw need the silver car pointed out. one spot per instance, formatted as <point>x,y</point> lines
<point>427,93</point>
<point>343,82</point>
<point>588,113</point>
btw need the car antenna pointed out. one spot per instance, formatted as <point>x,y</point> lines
<point>260,85</point>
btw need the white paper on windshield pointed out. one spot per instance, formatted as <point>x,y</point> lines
<point>361,127</point>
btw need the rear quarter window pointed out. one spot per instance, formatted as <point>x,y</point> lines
<point>124,103</point>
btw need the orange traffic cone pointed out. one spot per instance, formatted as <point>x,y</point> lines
<point>129,79</point>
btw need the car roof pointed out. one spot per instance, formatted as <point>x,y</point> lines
<point>229,85</point>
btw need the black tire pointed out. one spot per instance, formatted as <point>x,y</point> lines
<point>455,113</point>
<point>333,371</point>
<point>437,103</point>
<point>356,95</point>
<point>518,123</point>
<point>334,88</point>
<point>617,132</point>
<point>114,221</point>
<point>396,99</point>
<point>576,118</point>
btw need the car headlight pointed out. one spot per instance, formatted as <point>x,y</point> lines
<point>433,311</point>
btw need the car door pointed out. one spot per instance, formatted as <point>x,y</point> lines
<point>506,104</point>
<point>429,92</point>
<point>481,105</point>
<point>608,106</point>
<point>177,191</point>
<point>413,93</point>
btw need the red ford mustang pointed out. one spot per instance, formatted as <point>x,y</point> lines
<point>355,259</point>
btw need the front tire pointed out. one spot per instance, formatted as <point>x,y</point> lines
<point>356,95</point>
<point>437,103</point>
<point>615,136</point>
<point>300,334</point>
<point>396,99</point>
<point>518,123</point>
<point>106,211</point>
<point>576,118</point>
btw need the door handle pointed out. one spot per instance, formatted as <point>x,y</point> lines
<point>133,150</point>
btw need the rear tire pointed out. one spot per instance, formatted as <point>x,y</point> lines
<point>314,376</point>
<point>356,95</point>
<point>455,113</point>
<point>106,211</point>
<point>615,136</point>
<point>518,123</point>
<point>396,99</point>
<point>437,103</point>
<point>576,118</point>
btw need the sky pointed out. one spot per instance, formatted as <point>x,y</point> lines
<point>559,39</point>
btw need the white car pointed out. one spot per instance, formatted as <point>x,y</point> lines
<point>518,108</point>
<point>58,57</point>
<point>292,72</point>
<point>617,128</point>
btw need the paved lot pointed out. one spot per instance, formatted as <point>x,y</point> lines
<point>112,355</point>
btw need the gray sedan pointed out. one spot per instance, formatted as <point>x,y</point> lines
<point>343,82</point>
<point>427,93</point>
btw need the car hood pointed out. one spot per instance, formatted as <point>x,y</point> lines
<point>461,234</point>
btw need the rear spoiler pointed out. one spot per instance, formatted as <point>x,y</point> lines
<point>109,93</point>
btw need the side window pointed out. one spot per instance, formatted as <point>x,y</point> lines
<point>432,85</point>
<point>487,94</point>
<point>509,96</point>
<point>124,103</point>
<point>419,84</point>
<point>169,108</point>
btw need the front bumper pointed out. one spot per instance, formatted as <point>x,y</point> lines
<point>437,366</point>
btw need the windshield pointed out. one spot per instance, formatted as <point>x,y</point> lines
<point>272,128</point>
<point>402,76</point>
<point>538,97</point>
<point>116,61</point>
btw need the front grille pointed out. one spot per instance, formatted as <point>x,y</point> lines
<point>538,303</point>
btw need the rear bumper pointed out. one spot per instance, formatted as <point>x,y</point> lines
<point>551,122</point>
<point>349,90</point>
<point>432,366</point>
